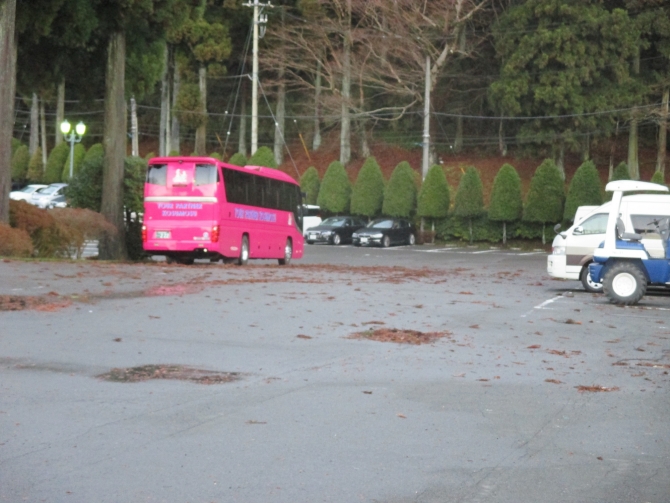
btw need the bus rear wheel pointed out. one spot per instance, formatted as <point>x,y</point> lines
<point>243,259</point>
<point>288,253</point>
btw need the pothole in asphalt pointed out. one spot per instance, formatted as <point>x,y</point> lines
<point>176,372</point>
<point>400,336</point>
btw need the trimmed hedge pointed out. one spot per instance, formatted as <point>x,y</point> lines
<point>506,203</point>
<point>310,185</point>
<point>545,198</point>
<point>36,167</point>
<point>469,203</point>
<point>79,155</point>
<point>367,195</point>
<point>20,162</point>
<point>434,198</point>
<point>401,191</point>
<point>263,157</point>
<point>238,159</point>
<point>585,190</point>
<point>14,242</point>
<point>54,169</point>
<point>335,192</point>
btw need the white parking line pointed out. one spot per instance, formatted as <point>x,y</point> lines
<point>484,251</point>
<point>542,306</point>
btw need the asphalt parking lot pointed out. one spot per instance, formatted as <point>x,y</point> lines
<point>533,390</point>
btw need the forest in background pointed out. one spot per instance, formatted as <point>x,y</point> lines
<point>344,79</point>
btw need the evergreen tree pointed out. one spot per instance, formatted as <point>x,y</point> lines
<point>216,155</point>
<point>546,195</point>
<point>367,195</point>
<point>585,190</point>
<point>620,172</point>
<point>238,159</point>
<point>85,189</point>
<point>309,184</point>
<point>79,154</point>
<point>506,203</point>
<point>400,192</point>
<point>20,161</point>
<point>434,197</point>
<point>36,168</point>
<point>54,169</point>
<point>263,157</point>
<point>335,192</point>
<point>15,145</point>
<point>658,177</point>
<point>469,202</point>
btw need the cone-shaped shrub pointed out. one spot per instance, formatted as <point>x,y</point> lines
<point>585,190</point>
<point>620,172</point>
<point>85,189</point>
<point>367,195</point>
<point>658,177</point>
<point>335,192</point>
<point>238,159</point>
<point>79,154</point>
<point>469,202</point>
<point>310,184</point>
<point>263,157</point>
<point>57,157</point>
<point>216,155</point>
<point>20,161</point>
<point>506,203</point>
<point>36,167</point>
<point>173,153</point>
<point>434,198</point>
<point>546,195</point>
<point>15,144</point>
<point>401,191</point>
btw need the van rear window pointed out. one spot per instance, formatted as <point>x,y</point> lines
<point>206,174</point>
<point>157,174</point>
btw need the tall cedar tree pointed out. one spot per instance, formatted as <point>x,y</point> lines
<point>263,157</point>
<point>506,204</point>
<point>335,193</point>
<point>310,184</point>
<point>401,191</point>
<point>469,202</point>
<point>367,196</point>
<point>434,197</point>
<point>585,190</point>
<point>546,195</point>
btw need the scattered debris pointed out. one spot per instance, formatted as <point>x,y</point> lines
<point>303,336</point>
<point>399,336</point>
<point>595,389</point>
<point>553,381</point>
<point>177,372</point>
<point>570,321</point>
<point>49,302</point>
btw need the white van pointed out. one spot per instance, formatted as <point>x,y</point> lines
<point>572,250</point>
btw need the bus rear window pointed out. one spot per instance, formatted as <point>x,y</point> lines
<point>206,174</point>
<point>157,174</point>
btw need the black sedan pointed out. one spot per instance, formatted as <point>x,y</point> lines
<point>334,230</point>
<point>386,232</point>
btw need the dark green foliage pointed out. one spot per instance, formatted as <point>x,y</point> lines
<point>35,167</point>
<point>263,157</point>
<point>15,144</point>
<point>309,184</point>
<point>400,192</point>
<point>85,189</point>
<point>54,169</point>
<point>216,155</point>
<point>173,153</point>
<point>620,172</point>
<point>434,198</point>
<point>469,201</point>
<point>546,195</point>
<point>238,159</point>
<point>658,177</point>
<point>133,203</point>
<point>367,195</point>
<point>506,203</point>
<point>20,161</point>
<point>79,154</point>
<point>335,192</point>
<point>484,229</point>
<point>469,198</point>
<point>190,111</point>
<point>585,190</point>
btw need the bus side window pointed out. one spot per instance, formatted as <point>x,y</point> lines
<point>206,174</point>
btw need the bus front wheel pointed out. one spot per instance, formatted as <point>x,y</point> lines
<point>288,253</point>
<point>244,252</point>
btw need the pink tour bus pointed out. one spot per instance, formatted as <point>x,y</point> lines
<point>199,207</point>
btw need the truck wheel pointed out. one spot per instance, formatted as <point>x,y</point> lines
<point>589,284</point>
<point>625,283</point>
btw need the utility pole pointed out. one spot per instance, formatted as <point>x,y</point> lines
<point>260,20</point>
<point>426,122</point>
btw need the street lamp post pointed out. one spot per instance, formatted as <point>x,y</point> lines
<point>73,137</point>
